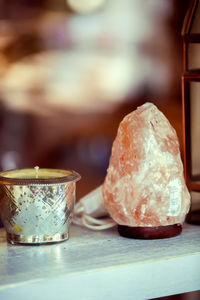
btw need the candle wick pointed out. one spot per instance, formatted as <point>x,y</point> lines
<point>36,171</point>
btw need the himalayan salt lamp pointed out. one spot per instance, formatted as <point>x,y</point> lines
<point>144,190</point>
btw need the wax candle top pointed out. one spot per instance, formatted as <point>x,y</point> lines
<point>38,176</point>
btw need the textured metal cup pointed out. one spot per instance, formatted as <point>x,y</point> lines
<point>37,210</point>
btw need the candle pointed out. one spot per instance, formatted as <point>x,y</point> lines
<point>36,171</point>
<point>36,205</point>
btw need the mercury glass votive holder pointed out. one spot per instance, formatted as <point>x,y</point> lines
<point>36,206</point>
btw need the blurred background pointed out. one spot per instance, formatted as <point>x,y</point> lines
<point>70,70</point>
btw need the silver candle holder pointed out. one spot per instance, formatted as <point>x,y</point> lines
<point>36,205</point>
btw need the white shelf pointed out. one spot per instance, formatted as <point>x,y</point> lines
<point>101,265</point>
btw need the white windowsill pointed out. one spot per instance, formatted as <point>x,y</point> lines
<point>101,265</point>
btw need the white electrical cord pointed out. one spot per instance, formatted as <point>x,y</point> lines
<point>89,212</point>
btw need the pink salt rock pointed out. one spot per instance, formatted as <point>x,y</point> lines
<point>144,185</point>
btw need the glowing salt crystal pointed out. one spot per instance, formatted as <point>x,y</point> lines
<point>144,185</point>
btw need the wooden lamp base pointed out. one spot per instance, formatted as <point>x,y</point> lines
<point>160,232</point>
